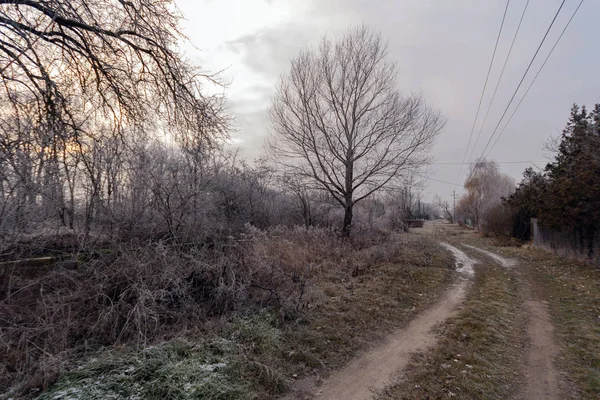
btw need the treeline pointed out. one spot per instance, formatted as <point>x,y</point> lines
<point>128,187</point>
<point>565,197</point>
<point>137,187</point>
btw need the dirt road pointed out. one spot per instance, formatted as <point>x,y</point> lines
<point>376,369</point>
<point>542,378</point>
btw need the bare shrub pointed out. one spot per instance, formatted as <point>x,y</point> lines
<point>137,293</point>
<point>283,261</point>
<point>131,294</point>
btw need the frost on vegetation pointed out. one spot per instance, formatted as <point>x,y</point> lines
<point>212,367</point>
<point>172,370</point>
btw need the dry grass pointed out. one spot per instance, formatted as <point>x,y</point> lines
<point>288,301</point>
<point>378,289</point>
<point>135,296</point>
<point>130,295</point>
<point>478,355</point>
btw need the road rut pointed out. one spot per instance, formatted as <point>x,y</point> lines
<point>541,376</point>
<point>378,368</point>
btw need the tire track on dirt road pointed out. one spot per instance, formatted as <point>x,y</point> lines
<point>542,377</point>
<point>376,369</point>
<point>505,262</point>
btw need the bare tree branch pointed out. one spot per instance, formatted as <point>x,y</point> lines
<point>111,59</point>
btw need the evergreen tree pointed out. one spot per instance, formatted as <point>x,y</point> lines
<point>566,197</point>
<point>572,199</point>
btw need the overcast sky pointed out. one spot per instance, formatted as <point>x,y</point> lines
<point>442,49</point>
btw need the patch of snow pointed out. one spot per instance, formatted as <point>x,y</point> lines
<point>464,264</point>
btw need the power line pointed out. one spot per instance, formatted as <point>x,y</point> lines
<point>440,181</point>
<point>485,84</point>
<point>536,76</point>
<point>500,78</point>
<point>473,163</point>
<point>520,83</point>
<point>427,178</point>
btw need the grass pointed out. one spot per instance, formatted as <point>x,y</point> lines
<point>572,290</point>
<point>354,311</point>
<point>352,300</point>
<point>223,366</point>
<point>174,370</point>
<point>479,351</point>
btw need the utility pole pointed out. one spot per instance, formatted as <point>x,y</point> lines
<point>454,208</point>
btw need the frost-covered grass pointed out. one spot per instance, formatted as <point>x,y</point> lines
<point>179,369</point>
<point>173,370</point>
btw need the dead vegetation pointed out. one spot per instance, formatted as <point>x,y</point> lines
<point>324,298</point>
<point>378,290</point>
<point>132,294</point>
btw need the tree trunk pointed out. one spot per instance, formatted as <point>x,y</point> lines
<point>347,218</point>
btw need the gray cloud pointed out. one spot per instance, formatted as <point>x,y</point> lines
<point>442,49</point>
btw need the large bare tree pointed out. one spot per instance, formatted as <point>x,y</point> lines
<point>444,207</point>
<point>340,122</point>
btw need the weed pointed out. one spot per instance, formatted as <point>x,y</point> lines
<point>320,301</point>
